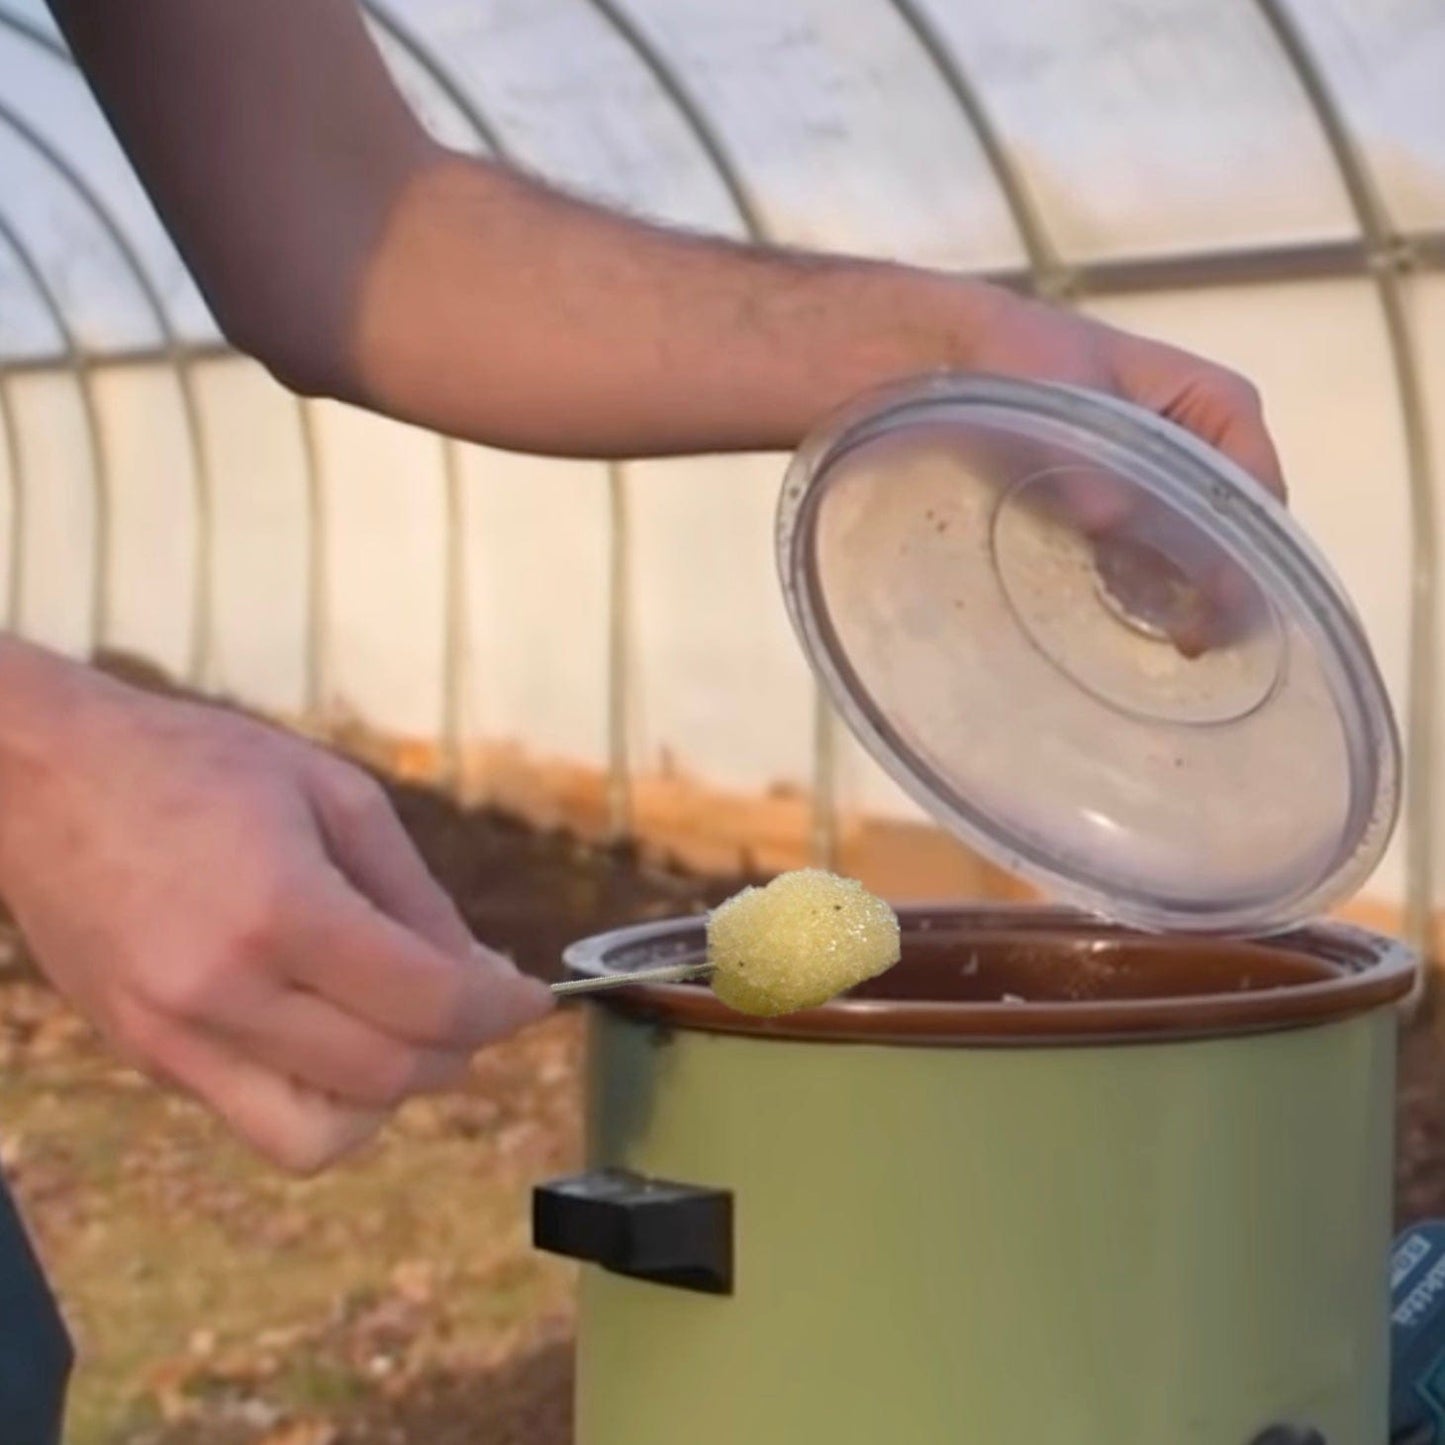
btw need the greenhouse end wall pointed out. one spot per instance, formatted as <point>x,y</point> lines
<point>600,647</point>
<point>605,646</point>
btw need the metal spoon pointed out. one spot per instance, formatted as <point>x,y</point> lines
<point>664,973</point>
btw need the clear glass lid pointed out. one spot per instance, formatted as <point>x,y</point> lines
<point>1094,649</point>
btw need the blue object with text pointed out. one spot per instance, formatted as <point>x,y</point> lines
<point>1417,1336</point>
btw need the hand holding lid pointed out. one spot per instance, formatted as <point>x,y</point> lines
<point>1094,649</point>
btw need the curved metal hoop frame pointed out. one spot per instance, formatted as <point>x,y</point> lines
<point>1380,254</point>
<point>74,180</point>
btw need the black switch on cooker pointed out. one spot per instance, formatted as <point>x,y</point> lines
<point>1289,1435</point>
<point>672,1234</point>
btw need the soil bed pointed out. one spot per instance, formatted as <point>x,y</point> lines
<point>397,1302</point>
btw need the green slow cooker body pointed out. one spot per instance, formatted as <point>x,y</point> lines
<point>1180,1242</point>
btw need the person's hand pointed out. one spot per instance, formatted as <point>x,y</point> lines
<point>1031,340</point>
<point>239,912</point>
<point>1158,570</point>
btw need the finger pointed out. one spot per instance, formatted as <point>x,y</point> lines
<point>1226,411</point>
<point>1184,583</point>
<point>305,1038</point>
<point>367,842</point>
<point>296,1128</point>
<point>342,947</point>
<point>1084,499</point>
<point>1245,440</point>
<point>1231,418</point>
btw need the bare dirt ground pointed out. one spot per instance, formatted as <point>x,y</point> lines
<point>395,1301</point>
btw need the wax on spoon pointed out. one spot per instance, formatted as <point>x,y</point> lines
<point>801,940</point>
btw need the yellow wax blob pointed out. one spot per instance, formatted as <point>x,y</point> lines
<point>805,938</point>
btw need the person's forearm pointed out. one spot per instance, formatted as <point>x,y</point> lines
<point>356,258</point>
<point>497,310</point>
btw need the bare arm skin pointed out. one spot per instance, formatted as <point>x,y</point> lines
<point>360,260</point>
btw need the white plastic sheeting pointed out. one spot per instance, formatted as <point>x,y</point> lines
<point>163,498</point>
<point>1131,124</point>
<point>1382,60</point>
<point>103,300</point>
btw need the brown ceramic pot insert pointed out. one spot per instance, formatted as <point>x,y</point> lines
<point>1011,976</point>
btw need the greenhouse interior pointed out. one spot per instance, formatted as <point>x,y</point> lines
<point>589,643</point>
<point>582,685</point>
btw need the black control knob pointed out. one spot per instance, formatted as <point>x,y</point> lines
<point>1289,1435</point>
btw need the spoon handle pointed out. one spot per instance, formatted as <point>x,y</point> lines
<point>667,973</point>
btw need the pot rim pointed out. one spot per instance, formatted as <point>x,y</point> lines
<point>1357,972</point>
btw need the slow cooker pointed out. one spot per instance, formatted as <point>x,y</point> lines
<point>1110,1170</point>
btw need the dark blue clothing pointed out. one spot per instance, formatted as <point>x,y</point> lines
<point>35,1350</point>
